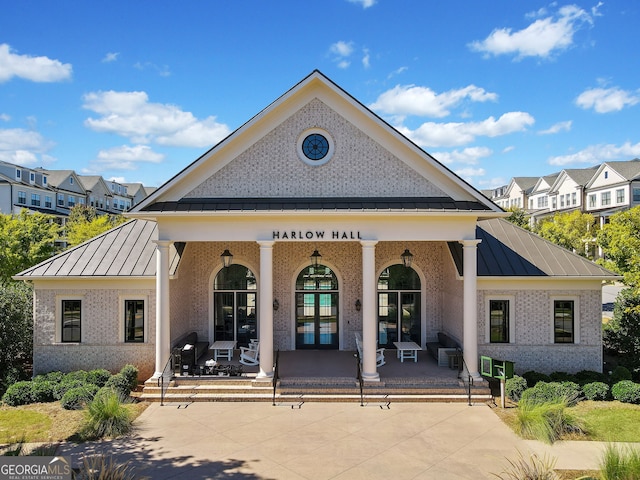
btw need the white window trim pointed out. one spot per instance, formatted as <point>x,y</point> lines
<point>512,322</point>
<point>59,300</point>
<point>576,318</point>
<point>121,330</point>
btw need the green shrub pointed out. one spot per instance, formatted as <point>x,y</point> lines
<point>553,392</point>
<point>619,374</point>
<point>66,384</point>
<point>589,376</point>
<point>130,373</point>
<point>562,377</point>
<point>79,375</point>
<point>18,394</point>
<point>546,421</point>
<point>534,377</point>
<point>596,391</point>
<point>626,391</point>
<point>106,416</point>
<point>514,387</point>
<point>54,377</point>
<point>121,384</point>
<point>619,464</point>
<point>76,398</point>
<point>98,377</point>
<point>42,391</point>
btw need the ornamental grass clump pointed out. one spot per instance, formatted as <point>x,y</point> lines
<point>106,416</point>
<point>532,468</point>
<point>101,467</point>
<point>620,463</point>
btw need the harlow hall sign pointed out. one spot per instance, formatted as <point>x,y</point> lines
<point>316,235</point>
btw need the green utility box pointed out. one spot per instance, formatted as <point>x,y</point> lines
<point>498,369</point>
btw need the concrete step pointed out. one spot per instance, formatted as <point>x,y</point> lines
<point>329,389</point>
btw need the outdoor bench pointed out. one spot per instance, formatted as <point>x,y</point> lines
<point>439,349</point>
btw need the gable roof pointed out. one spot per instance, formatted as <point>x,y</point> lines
<point>581,176</point>
<point>314,86</point>
<point>629,170</point>
<point>507,250</point>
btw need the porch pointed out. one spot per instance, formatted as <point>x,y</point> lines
<point>327,376</point>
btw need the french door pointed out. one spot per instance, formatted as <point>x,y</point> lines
<point>317,309</point>
<point>316,320</point>
<point>399,309</point>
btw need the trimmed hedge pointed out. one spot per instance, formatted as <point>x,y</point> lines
<point>514,387</point>
<point>18,394</point>
<point>552,392</point>
<point>78,397</point>
<point>596,391</point>
<point>626,391</point>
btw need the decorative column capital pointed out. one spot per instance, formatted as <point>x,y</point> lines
<point>470,243</point>
<point>368,243</point>
<point>266,243</point>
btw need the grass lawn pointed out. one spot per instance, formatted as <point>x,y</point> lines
<point>604,421</point>
<point>45,422</point>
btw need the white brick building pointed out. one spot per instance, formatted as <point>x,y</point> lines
<point>316,171</point>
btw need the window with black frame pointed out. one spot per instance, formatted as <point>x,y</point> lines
<point>499,321</point>
<point>71,320</point>
<point>134,321</point>
<point>563,317</point>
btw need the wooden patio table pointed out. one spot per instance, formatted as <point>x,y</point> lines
<point>407,350</point>
<point>223,349</point>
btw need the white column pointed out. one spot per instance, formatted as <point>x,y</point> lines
<point>470,305</point>
<point>369,317</point>
<point>163,332</point>
<point>266,309</point>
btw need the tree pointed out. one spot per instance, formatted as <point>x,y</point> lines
<point>620,242</point>
<point>26,239</point>
<point>621,336</point>
<point>518,217</point>
<point>16,333</point>
<point>574,231</point>
<point>85,223</point>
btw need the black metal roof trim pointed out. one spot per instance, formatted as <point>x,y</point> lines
<point>342,203</point>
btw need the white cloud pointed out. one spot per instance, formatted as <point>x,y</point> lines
<point>605,100</point>
<point>452,134</point>
<point>162,70</point>
<point>5,117</point>
<point>36,69</point>
<point>414,100</point>
<point>596,154</point>
<point>397,71</point>
<point>542,38</point>
<point>366,59</point>
<point>24,147</point>
<point>342,49</point>
<point>468,156</point>
<point>364,3</point>
<point>557,128</point>
<point>492,183</point>
<point>110,57</point>
<point>469,173</point>
<point>131,115</point>
<point>125,157</point>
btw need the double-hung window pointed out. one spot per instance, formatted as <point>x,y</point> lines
<point>564,321</point>
<point>22,198</point>
<point>71,318</point>
<point>499,318</point>
<point>134,314</point>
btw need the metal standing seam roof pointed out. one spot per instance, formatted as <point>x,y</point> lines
<point>507,250</point>
<point>124,251</point>
<point>129,251</point>
<point>201,205</point>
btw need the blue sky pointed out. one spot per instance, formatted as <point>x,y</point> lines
<point>138,90</point>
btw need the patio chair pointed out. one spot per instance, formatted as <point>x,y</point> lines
<point>249,355</point>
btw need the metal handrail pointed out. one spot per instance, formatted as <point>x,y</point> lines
<point>275,376</point>
<point>360,379</point>
<point>461,366</point>
<point>167,374</point>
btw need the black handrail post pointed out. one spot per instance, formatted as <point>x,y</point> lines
<point>360,380</point>
<point>461,366</point>
<point>168,369</point>
<point>275,377</point>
